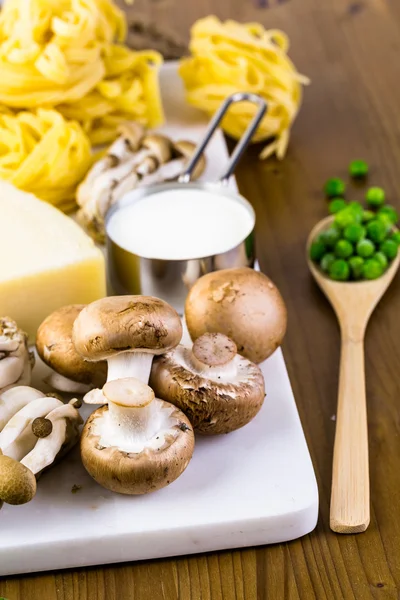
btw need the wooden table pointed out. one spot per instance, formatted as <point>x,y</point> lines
<point>351,51</point>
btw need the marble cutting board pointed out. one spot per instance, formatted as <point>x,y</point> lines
<point>251,487</point>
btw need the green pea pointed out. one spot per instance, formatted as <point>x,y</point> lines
<point>326,262</point>
<point>358,169</point>
<point>395,236</point>
<point>356,264</point>
<point>330,236</point>
<point>317,250</point>
<point>346,217</point>
<point>377,230</point>
<point>389,249</point>
<point>339,270</point>
<point>386,220</point>
<point>334,187</point>
<point>375,197</point>
<point>365,248</point>
<point>390,213</point>
<point>354,233</point>
<point>368,215</point>
<point>357,208</point>
<point>343,249</point>
<point>372,269</point>
<point>336,204</point>
<point>381,259</point>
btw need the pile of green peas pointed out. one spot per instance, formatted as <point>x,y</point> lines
<point>361,242</point>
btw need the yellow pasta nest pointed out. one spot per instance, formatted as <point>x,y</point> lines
<point>43,153</point>
<point>66,82</point>
<point>68,54</point>
<point>230,57</point>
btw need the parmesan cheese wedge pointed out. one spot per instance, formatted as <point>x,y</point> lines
<point>46,260</point>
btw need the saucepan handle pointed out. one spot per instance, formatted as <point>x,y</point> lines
<point>241,145</point>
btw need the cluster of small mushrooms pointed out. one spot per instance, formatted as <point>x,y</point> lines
<point>124,354</point>
<point>136,159</point>
<point>36,429</point>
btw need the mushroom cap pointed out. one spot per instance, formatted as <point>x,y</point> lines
<point>17,482</point>
<point>133,133</point>
<point>126,323</point>
<point>160,146</point>
<point>55,348</point>
<point>212,406</point>
<point>141,473</point>
<point>187,149</point>
<point>243,304</point>
<point>42,427</point>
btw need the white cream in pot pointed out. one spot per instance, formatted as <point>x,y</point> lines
<point>180,224</point>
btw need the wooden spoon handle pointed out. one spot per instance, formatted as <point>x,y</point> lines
<point>350,477</point>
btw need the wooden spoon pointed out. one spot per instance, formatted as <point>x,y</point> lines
<point>353,303</point>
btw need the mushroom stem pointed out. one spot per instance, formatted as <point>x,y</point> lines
<point>130,364</point>
<point>12,368</point>
<point>15,398</point>
<point>134,420</point>
<point>213,356</point>
<point>130,419</point>
<point>63,384</point>
<point>16,425</point>
<point>220,373</point>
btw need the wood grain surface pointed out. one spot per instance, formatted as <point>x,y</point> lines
<point>351,51</point>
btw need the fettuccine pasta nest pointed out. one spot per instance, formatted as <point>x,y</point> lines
<point>230,57</point>
<point>68,57</point>
<point>43,153</point>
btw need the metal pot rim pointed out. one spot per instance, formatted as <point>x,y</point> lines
<point>139,194</point>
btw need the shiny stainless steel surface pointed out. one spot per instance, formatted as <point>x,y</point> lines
<point>130,273</point>
<point>170,280</point>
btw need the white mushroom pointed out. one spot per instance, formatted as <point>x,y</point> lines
<point>118,173</point>
<point>15,398</point>
<point>63,433</point>
<point>151,158</point>
<point>23,418</point>
<point>127,331</point>
<point>137,444</point>
<point>171,171</point>
<point>36,436</point>
<point>16,361</point>
<point>120,151</point>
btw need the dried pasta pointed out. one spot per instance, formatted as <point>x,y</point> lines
<point>68,54</point>
<point>43,153</point>
<point>64,65</point>
<point>230,57</point>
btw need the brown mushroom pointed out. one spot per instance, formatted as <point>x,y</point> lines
<point>17,482</point>
<point>185,150</point>
<point>127,331</point>
<point>244,305</point>
<point>217,389</point>
<point>54,345</point>
<point>137,444</point>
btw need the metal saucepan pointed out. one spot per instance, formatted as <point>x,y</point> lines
<point>130,273</point>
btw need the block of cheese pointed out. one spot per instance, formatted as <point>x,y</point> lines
<point>46,260</point>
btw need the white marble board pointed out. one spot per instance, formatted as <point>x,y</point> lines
<point>251,487</point>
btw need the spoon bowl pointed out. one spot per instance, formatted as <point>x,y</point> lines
<point>353,303</point>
